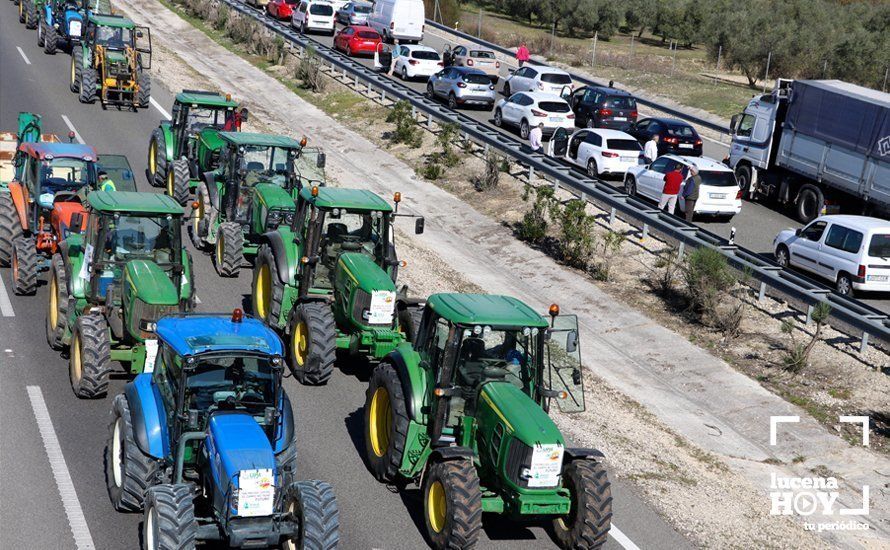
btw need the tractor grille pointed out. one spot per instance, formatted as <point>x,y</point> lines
<point>519,457</point>
<point>496,438</point>
<point>147,315</point>
<point>361,305</point>
<point>119,69</point>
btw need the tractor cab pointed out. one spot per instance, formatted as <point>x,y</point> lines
<point>197,119</point>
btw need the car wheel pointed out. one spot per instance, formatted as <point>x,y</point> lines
<point>303,27</point>
<point>592,169</point>
<point>404,73</point>
<point>809,203</point>
<point>844,285</point>
<point>452,102</point>
<point>349,51</point>
<point>498,118</point>
<point>524,129</point>
<point>782,257</point>
<point>630,186</point>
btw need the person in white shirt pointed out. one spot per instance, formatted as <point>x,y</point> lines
<point>534,138</point>
<point>650,151</point>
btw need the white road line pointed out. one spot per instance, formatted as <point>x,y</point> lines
<point>22,53</point>
<point>5,305</point>
<point>622,539</point>
<point>73,129</point>
<point>76,520</point>
<point>159,108</point>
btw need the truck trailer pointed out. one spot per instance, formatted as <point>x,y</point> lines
<point>817,146</point>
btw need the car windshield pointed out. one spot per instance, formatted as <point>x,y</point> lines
<point>621,103</point>
<point>718,179</point>
<point>265,164</point>
<point>556,78</point>
<point>681,131</point>
<point>114,37</point>
<point>141,238</point>
<point>65,173</point>
<point>474,78</point>
<point>554,106</point>
<point>879,246</point>
<point>623,144</point>
<point>482,54</point>
<point>487,354</point>
<point>230,380</point>
<point>321,9</point>
<point>370,35</point>
<point>361,8</point>
<point>425,54</point>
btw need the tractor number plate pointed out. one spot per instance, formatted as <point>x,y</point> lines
<point>151,353</point>
<point>256,495</point>
<point>546,466</point>
<point>383,304</point>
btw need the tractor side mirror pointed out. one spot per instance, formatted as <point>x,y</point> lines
<point>321,160</point>
<point>418,226</point>
<point>572,341</point>
<point>139,34</point>
<point>76,223</point>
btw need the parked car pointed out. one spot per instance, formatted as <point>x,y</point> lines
<point>259,4</point>
<point>281,9</point>
<point>719,194</point>
<point>851,251</point>
<point>354,13</point>
<point>600,107</point>
<point>357,39</point>
<point>598,151</point>
<point>484,60</point>
<point>527,109</point>
<point>416,61</point>
<point>462,86</point>
<point>401,20</point>
<point>314,15</point>
<point>675,136</point>
<point>538,79</point>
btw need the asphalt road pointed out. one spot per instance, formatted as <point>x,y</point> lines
<point>52,487</point>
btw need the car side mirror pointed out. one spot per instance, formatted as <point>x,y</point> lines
<point>320,161</point>
<point>797,232</point>
<point>76,222</point>
<point>418,226</point>
<point>572,341</point>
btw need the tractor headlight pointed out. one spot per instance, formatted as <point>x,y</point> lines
<point>273,219</point>
<point>289,218</point>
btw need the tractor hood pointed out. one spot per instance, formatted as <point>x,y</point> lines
<point>210,136</point>
<point>521,416</point>
<point>238,443</point>
<point>273,197</point>
<point>151,284</point>
<point>362,271</point>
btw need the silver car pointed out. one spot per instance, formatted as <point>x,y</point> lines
<point>354,13</point>
<point>462,86</point>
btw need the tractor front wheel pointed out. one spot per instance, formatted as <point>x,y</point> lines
<point>143,80</point>
<point>24,266</point>
<point>314,506</point>
<point>76,67</point>
<point>267,290</point>
<point>30,14</point>
<point>590,517</point>
<point>40,27</point>
<point>312,338</point>
<point>22,11</point>
<point>10,228</point>
<point>89,360</point>
<point>57,305</point>
<point>169,522</point>
<point>201,218</point>
<point>88,83</point>
<point>229,249</point>
<point>452,503</point>
<point>50,39</point>
<point>386,423</point>
<point>178,181</point>
<point>128,471</point>
<point>157,159</point>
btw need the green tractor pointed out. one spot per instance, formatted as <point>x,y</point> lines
<point>463,411</point>
<point>30,12</point>
<point>250,193</point>
<point>110,285</point>
<point>327,279</point>
<point>182,149</point>
<point>111,63</point>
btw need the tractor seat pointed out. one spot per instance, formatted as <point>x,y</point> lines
<point>336,232</point>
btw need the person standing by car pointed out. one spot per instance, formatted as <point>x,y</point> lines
<point>690,192</point>
<point>650,151</point>
<point>534,138</point>
<point>672,182</point>
<point>447,56</point>
<point>522,55</point>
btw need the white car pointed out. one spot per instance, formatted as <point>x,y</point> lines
<point>539,79</point>
<point>599,151</point>
<point>527,109</point>
<point>416,61</point>
<point>719,194</point>
<point>314,15</point>
<point>851,251</point>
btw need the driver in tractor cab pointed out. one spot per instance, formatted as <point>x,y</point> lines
<point>105,183</point>
<point>110,37</point>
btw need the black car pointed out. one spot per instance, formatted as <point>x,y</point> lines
<point>599,107</point>
<point>675,136</point>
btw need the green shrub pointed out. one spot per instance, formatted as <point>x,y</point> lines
<point>533,227</point>
<point>607,247</point>
<point>446,138</point>
<point>492,175</point>
<point>406,130</point>
<point>708,278</point>
<point>576,237</point>
<point>797,354</point>
<point>431,171</point>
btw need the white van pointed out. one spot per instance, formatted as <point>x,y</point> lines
<point>400,20</point>
<point>314,15</point>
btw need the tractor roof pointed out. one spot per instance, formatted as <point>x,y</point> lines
<point>350,199</point>
<point>485,309</point>
<point>42,149</point>
<point>106,20</point>
<point>128,202</point>
<point>192,334</point>
<point>262,140</point>
<point>205,99</point>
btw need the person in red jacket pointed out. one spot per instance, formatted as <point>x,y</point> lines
<point>673,180</point>
<point>522,55</point>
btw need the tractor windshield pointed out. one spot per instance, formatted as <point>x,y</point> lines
<point>265,164</point>
<point>61,174</point>
<point>202,117</point>
<point>141,237</point>
<point>490,354</point>
<point>349,231</point>
<point>114,38</point>
<point>224,380</point>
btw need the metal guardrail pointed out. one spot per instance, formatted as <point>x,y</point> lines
<point>847,315</point>
<point>583,79</point>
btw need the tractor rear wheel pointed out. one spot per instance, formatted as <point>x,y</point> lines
<point>88,83</point>
<point>40,27</point>
<point>22,11</point>
<point>157,159</point>
<point>128,471</point>
<point>312,339</point>
<point>386,423</point>
<point>201,218</point>
<point>10,228</point>
<point>57,305</point>
<point>143,80</point>
<point>30,14</point>
<point>89,361</point>
<point>178,177</point>
<point>76,67</point>
<point>50,39</point>
<point>452,503</point>
<point>315,506</point>
<point>267,290</point>
<point>590,518</point>
<point>229,249</point>
<point>169,522</point>
<point>24,266</point>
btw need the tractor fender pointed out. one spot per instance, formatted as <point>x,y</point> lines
<point>18,193</point>
<point>283,265</point>
<point>413,382</point>
<point>284,433</point>
<point>576,453</point>
<point>167,132</point>
<point>212,190</point>
<point>76,284</point>
<point>451,453</point>
<point>48,11</point>
<point>148,416</point>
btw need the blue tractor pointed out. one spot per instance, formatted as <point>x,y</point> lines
<point>203,442</point>
<point>61,24</point>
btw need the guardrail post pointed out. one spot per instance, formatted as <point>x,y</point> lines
<point>762,292</point>
<point>429,121</point>
<point>382,95</point>
<point>356,81</point>
<point>531,173</point>
<point>645,232</point>
<point>485,150</point>
<point>413,112</point>
<point>370,89</point>
<point>863,345</point>
<point>681,250</point>
<point>809,315</point>
<point>611,213</point>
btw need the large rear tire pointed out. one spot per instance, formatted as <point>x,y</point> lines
<point>50,39</point>
<point>30,14</point>
<point>809,203</point>
<point>229,249</point>
<point>178,181</point>
<point>386,423</point>
<point>267,290</point>
<point>57,304</point>
<point>76,67</point>
<point>128,471</point>
<point>452,504</point>
<point>10,228</point>
<point>312,347</point>
<point>590,518</point>
<point>24,266</point>
<point>315,506</point>
<point>88,83</point>
<point>169,522</point>
<point>143,97</point>
<point>157,158</point>
<point>89,360</point>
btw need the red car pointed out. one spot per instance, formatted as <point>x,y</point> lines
<point>281,9</point>
<point>357,39</point>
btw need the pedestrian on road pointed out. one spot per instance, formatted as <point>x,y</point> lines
<point>534,138</point>
<point>690,192</point>
<point>522,55</point>
<point>105,183</point>
<point>672,182</point>
<point>447,56</point>
<point>650,151</point>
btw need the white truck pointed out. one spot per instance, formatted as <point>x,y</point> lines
<point>821,146</point>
